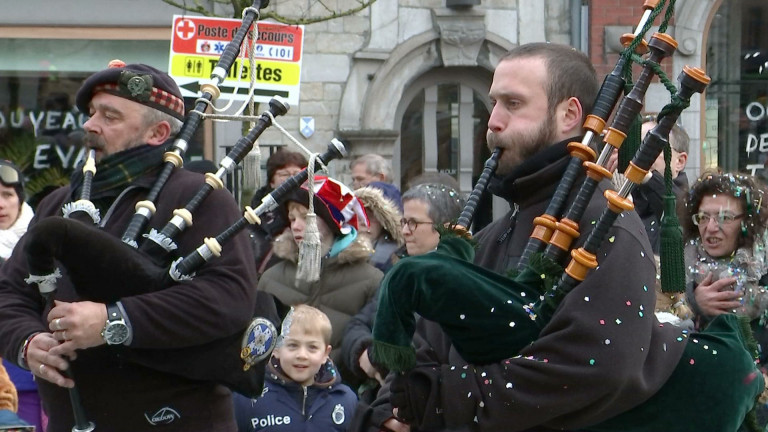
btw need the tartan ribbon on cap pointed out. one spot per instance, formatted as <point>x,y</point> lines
<point>136,88</point>
<point>139,83</point>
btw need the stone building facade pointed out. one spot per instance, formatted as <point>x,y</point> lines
<point>407,79</point>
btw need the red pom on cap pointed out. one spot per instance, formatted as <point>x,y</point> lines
<point>116,63</point>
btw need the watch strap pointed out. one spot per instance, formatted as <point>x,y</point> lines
<point>116,322</point>
<point>113,313</point>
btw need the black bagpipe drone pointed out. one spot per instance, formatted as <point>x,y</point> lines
<point>508,314</point>
<point>89,255</point>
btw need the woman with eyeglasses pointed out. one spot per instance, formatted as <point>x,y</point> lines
<point>426,207</point>
<point>15,215</point>
<point>725,253</point>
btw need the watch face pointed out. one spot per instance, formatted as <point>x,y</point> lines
<point>116,333</point>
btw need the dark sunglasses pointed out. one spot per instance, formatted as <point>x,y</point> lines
<point>9,174</point>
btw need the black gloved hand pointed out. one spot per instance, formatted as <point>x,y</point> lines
<point>416,395</point>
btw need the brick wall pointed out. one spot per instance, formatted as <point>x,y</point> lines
<point>603,13</point>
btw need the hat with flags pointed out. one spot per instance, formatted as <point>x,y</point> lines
<point>335,203</point>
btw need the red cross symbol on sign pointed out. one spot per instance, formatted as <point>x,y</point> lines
<point>185,29</point>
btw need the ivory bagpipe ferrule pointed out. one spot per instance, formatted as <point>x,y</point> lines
<point>184,268</point>
<point>209,92</point>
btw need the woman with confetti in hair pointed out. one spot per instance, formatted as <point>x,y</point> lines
<point>725,254</point>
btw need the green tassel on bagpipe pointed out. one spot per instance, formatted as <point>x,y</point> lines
<point>671,258</point>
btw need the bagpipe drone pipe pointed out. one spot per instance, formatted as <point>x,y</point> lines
<point>491,317</point>
<point>89,255</point>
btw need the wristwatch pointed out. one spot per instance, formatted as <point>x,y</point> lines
<point>116,330</point>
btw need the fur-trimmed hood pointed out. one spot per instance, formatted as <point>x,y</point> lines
<point>358,251</point>
<point>384,210</point>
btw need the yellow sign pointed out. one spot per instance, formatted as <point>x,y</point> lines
<point>267,72</point>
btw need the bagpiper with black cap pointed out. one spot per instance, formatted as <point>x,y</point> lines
<point>134,110</point>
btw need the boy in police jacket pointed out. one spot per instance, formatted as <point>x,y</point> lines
<point>302,388</point>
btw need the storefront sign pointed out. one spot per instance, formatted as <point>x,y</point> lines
<point>198,42</point>
<point>756,112</point>
<point>48,155</point>
<point>56,135</point>
<point>42,120</point>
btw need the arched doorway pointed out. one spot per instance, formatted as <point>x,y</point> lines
<point>443,118</point>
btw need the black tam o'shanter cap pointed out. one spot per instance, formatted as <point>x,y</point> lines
<point>136,82</point>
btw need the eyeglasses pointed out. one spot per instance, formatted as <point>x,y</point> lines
<point>9,174</point>
<point>412,223</point>
<point>721,219</point>
<point>285,173</point>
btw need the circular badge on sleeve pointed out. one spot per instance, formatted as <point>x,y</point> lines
<point>258,341</point>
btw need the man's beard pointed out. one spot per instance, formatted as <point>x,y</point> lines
<point>521,146</point>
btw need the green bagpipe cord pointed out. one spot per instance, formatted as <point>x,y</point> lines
<point>713,388</point>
